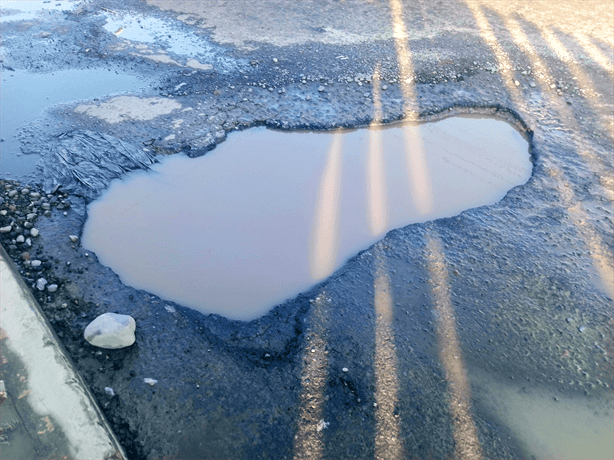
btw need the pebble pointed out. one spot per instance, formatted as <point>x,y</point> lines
<point>20,239</point>
<point>345,369</point>
<point>149,381</point>
<point>109,391</point>
<point>46,206</point>
<point>320,88</point>
<point>384,87</point>
<point>41,283</point>
<point>12,193</point>
<point>25,255</point>
<point>35,263</point>
<point>111,331</point>
<point>582,328</point>
<point>32,216</point>
<point>52,287</point>
<point>6,229</point>
<point>34,232</point>
<point>73,238</point>
<point>308,98</point>
<point>25,191</point>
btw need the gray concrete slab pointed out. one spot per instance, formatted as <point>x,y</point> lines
<point>49,412</point>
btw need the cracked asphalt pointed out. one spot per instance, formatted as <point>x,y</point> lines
<point>515,297</point>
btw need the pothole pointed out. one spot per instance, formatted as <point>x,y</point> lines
<point>268,214</point>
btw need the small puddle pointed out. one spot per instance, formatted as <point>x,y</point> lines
<point>268,214</point>
<point>25,96</point>
<point>167,36</point>
<point>549,424</point>
<point>23,10</point>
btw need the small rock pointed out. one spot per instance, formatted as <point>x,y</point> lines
<point>149,381</point>
<point>35,263</point>
<point>46,206</point>
<point>569,320</point>
<point>345,369</point>
<point>111,331</point>
<point>516,82</point>
<point>6,229</point>
<point>275,60</point>
<point>12,193</point>
<point>307,98</point>
<point>582,328</point>
<point>32,216</point>
<point>73,238</point>
<point>320,88</point>
<point>20,239</point>
<point>25,255</point>
<point>25,191</point>
<point>109,391</point>
<point>52,288</point>
<point>384,87</point>
<point>41,283</point>
<point>34,232</point>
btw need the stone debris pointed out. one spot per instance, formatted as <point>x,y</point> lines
<point>73,238</point>
<point>41,283</point>
<point>52,288</point>
<point>109,391</point>
<point>111,331</point>
<point>149,381</point>
<point>34,232</point>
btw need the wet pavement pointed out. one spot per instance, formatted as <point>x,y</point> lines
<point>464,337</point>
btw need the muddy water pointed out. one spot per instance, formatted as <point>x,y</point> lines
<point>267,214</point>
<point>26,95</point>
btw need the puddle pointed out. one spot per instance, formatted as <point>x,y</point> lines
<point>267,214</point>
<point>22,10</point>
<point>568,428</point>
<point>166,36</point>
<point>26,95</point>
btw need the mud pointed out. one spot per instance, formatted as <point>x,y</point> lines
<point>528,278</point>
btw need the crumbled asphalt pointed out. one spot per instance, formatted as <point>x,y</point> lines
<point>529,306</point>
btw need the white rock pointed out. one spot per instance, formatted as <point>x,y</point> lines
<point>111,330</point>
<point>34,232</point>
<point>36,263</point>
<point>73,238</point>
<point>41,283</point>
<point>20,239</point>
<point>109,391</point>
<point>149,381</point>
<point>6,229</point>
<point>52,288</point>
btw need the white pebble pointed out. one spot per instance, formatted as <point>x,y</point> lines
<point>345,369</point>
<point>52,288</point>
<point>149,381</point>
<point>41,283</point>
<point>109,391</point>
<point>73,238</point>
<point>34,232</point>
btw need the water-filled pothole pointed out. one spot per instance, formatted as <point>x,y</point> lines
<point>267,214</point>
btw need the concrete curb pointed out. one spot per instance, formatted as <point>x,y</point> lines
<point>54,414</point>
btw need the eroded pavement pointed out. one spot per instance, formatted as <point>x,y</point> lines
<point>463,337</point>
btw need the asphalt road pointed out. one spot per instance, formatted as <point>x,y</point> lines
<point>488,334</point>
